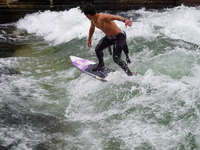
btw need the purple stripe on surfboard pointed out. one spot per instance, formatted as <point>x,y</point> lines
<point>83,69</point>
<point>82,63</point>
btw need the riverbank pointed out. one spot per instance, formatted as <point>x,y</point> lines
<point>12,10</point>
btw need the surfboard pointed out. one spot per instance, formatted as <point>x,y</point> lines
<point>86,66</point>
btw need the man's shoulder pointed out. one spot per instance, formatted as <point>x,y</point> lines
<point>103,16</point>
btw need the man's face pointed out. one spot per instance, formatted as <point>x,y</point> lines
<point>88,16</point>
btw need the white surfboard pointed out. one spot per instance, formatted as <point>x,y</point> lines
<point>86,66</point>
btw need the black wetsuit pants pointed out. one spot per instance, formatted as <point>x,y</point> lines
<point>119,42</point>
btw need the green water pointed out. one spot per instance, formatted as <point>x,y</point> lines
<point>47,103</point>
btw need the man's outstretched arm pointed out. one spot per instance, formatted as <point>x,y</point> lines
<point>119,18</point>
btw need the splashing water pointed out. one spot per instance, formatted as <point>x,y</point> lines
<point>46,102</point>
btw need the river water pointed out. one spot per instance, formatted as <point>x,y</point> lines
<point>47,103</point>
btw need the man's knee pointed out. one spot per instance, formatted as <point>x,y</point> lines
<point>96,49</point>
<point>98,52</point>
<point>116,59</point>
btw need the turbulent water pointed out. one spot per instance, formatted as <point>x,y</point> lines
<point>46,103</point>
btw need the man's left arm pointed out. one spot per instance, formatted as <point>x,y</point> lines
<point>119,18</point>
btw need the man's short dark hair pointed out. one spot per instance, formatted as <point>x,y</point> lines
<point>89,9</point>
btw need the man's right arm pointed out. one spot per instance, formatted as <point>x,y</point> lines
<point>91,32</point>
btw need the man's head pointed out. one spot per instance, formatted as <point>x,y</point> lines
<point>89,9</point>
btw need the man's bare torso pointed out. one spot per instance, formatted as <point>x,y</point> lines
<point>107,26</point>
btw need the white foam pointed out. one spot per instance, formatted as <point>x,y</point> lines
<point>56,26</point>
<point>179,23</point>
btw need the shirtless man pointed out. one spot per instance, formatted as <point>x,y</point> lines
<point>114,36</point>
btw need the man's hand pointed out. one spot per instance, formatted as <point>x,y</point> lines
<point>89,42</point>
<point>128,23</point>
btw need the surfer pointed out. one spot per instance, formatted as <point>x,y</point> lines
<point>114,36</point>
